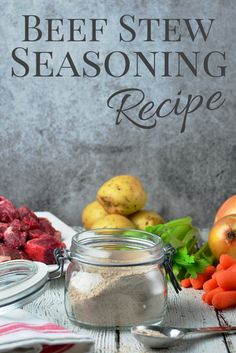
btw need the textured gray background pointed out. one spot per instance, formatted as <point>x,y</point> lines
<point>59,141</point>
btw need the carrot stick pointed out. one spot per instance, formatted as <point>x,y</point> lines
<point>210,295</point>
<point>204,297</point>
<point>198,282</point>
<point>185,283</point>
<point>226,280</point>
<point>210,284</point>
<point>232,268</point>
<point>219,267</point>
<point>224,300</point>
<point>214,274</point>
<point>226,261</point>
<point>209,271</point>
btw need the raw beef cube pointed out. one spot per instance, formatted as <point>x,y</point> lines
<point>13,237</point>
<point>3,227</point>
<point>41,249</point>
<point>46,226</point>
<point>24,211</point>
<point>8,212</point>
<point>28,218</point>
<point>12,253</point>
<point>37,233</point>
<point>16,224</point>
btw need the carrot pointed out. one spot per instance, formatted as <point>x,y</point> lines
<point>219,267</point>
<point>232,268</point>
<point>198,282</point>
<point>226,280</point>
<point>210,295</point>
<point>224,300</point>
<point>209,271</point>
<point>210,284</point>
<point>204,297</point>
<point>214,274</point>
<point>226,261</point>
<point>185,283</point>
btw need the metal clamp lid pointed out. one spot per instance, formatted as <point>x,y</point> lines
<point>60,256</point>
<point>169,252</point>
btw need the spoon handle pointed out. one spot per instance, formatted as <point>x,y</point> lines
<point>217,329</point>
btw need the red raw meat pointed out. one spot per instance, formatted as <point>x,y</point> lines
<point>36,233</point>
<point>28,218</point>
<point>14,237</point>
<point>3,227</point>
<point>8,212</point>
<point>41,249</point>
<point>13,253</point>
<point>17,226</point>
<point>46,226</point>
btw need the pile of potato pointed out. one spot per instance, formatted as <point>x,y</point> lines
<point>119,204</point>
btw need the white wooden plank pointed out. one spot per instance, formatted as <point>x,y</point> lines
<point>50,306</point>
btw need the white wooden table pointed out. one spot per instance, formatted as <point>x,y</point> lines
<point>185,310</point>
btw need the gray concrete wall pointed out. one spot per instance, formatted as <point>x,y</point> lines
<point>59,141</point>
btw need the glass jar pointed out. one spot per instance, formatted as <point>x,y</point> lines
<point>115,278</point>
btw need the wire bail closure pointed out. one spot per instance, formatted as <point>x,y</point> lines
<point>60,256</point>
<point>169,252</point>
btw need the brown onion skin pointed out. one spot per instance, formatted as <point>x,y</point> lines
<point>222,237</point>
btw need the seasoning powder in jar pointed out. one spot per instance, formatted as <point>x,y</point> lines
<point>116,281</point>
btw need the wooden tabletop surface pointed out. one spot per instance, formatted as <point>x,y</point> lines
<point>184,310</point>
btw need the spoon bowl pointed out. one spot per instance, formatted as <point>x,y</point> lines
<point>157,336</point>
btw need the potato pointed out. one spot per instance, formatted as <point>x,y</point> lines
<point>145,218</point>
<point>113,221</point>
<point>123,194</point>
<point>92,213</point>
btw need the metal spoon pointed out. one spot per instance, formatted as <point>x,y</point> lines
<point>160,337</point>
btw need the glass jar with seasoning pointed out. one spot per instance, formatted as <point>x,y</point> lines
<point>116,278</point>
